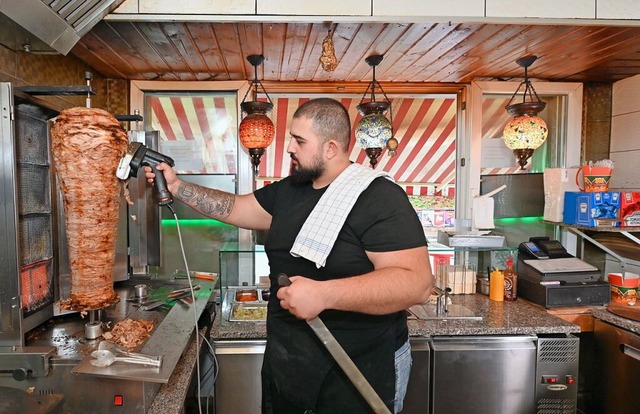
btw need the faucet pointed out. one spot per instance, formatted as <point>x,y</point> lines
<point>442,306</point>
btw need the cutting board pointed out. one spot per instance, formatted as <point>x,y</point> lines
<point>626,311</point>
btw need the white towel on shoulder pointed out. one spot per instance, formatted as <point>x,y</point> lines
<point>320,231</point>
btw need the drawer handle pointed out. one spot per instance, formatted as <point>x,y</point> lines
<point>630,351</point>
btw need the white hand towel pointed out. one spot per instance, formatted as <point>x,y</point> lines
<point>320,231</point>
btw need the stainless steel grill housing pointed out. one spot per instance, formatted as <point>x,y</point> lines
<point>35,218</point>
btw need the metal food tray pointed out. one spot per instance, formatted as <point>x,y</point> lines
<point>261,308</point>
<point>231,295</point>
<point>231,304</point>
<point>470,241</point>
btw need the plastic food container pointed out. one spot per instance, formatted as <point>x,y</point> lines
<point>624,291</point>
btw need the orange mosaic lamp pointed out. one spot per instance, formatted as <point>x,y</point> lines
<point>256,131</point>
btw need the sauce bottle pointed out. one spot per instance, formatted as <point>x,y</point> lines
<point>510,281</point>
<point>496,286</point>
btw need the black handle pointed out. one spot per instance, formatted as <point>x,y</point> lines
<point>283,280</point>
<point>163,196</point>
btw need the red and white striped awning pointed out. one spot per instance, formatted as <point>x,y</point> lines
<point>424,126</point>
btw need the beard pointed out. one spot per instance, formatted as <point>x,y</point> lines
<point>305,175</point>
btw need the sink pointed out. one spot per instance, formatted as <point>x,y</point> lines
<point>454,311</point>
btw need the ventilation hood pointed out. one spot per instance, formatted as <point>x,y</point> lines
<point>58,23</point>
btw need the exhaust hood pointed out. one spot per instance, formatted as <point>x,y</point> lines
<point>58,23</point>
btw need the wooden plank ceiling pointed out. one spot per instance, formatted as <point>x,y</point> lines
<point>418,52</point>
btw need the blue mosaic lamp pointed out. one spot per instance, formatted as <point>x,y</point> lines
<point>375,130</point>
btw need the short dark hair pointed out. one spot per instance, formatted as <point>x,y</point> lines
<point>330,120</point>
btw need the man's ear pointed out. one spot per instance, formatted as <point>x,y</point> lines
<point>332,148</point>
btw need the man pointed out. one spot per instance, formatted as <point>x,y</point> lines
<point>377,267</point>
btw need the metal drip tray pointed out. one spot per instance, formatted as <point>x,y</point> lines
<point>428,312</point>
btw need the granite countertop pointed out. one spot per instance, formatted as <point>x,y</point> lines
<point>172,395</point>
<point>625,323</point>
<point>498,318</point>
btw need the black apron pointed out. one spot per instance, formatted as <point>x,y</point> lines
<point>300,376</point>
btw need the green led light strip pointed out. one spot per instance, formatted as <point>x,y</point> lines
<point>514,220</point>
<point>196,223</point>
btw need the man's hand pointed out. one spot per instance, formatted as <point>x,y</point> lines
<point>304,298</point>
<point>173,182</point>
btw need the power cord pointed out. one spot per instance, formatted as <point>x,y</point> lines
<point>193,298</point>
<point>214,368</point>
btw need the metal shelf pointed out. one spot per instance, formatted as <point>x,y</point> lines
<point>57,90</point>
<point>580,231</point>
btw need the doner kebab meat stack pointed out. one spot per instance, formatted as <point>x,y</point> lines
<point>87,145</point>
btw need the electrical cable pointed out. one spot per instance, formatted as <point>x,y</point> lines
<point>213,355</point>
<point>193,297</point>
<point>215,367</point>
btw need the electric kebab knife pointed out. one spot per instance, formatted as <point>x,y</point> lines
<point>138,156</point>
<point>343,359</point>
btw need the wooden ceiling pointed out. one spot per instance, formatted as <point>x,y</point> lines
<point>416,52</point>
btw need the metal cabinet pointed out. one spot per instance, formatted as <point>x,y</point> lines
<point>416,400</point>
<point>484,374</point>
<point>238,386</point>
<point>618,369</point>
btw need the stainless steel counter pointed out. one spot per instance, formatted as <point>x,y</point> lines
<point>87,388</point>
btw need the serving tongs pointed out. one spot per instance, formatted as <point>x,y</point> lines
<point>108,353</point>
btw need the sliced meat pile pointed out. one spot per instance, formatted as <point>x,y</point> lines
<point>87,145</point>
<point>130,333</point>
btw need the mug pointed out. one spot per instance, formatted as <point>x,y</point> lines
<point>595,179</point>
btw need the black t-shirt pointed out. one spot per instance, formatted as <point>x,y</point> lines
<point>381,220</point>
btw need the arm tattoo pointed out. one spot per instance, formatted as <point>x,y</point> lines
<point>213,203</point>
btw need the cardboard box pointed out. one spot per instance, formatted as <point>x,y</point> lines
<point>630,208</point>
<point>588,209</point>
<point>557,181</point>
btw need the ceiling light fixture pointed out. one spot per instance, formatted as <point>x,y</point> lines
<point>256,130</point>
<point>526,131</point>
<point>375,131</point>
<point>328,59</point>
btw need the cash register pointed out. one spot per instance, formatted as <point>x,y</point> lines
<point>549,276</point>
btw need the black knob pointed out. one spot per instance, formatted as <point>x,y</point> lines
<point>20,374</point>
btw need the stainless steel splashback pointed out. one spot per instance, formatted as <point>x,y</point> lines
<point>143,218</point>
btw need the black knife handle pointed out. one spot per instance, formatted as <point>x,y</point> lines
<point>283,280</point>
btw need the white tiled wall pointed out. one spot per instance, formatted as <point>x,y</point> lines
<point>625,134</point>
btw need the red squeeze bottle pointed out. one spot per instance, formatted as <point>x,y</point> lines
<point>510,281</point>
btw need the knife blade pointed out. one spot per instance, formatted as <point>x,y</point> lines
<point>342,358</point>
<point>152,305</point>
